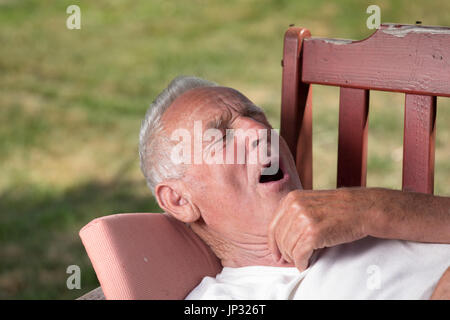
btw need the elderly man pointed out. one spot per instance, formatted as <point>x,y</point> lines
<point>275,240</point>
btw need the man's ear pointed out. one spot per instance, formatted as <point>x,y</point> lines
<point>170,198</point>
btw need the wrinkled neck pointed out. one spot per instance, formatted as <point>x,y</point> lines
<point>249,250</point>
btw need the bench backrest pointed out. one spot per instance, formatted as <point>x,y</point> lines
<point>411,59</point>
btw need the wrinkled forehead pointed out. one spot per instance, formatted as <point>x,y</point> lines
<point>204,104</point>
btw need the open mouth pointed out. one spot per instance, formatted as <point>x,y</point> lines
<point>265,178</point>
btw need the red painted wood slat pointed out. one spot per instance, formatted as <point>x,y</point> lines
<point>352,141</point>
<point>418,145</point>
<point>296,104</point>
<point>402,58</point>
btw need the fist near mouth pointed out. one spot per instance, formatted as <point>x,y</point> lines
<point>309,220</point>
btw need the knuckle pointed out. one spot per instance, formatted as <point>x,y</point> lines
<point>298,205</point>
<point>295,205</point>
<point>305,218</point>
<point>290,197</point>
<point>293,195</point>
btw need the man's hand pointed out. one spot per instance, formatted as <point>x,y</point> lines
<point>310,220</point>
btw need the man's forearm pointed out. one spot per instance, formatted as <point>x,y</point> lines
<point>409,216</point>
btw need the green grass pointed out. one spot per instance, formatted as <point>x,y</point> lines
<point>71,102</point>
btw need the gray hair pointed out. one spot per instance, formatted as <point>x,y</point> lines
<point>153,143</point>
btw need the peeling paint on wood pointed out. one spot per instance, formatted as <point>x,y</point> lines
<point>402,31</point>
<point>333,41</point>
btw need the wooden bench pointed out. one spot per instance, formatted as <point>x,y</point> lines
<point>96,294</point>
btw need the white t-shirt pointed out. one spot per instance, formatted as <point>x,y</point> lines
<point>365,269</point>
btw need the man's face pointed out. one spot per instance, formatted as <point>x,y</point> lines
<point>235,200</point>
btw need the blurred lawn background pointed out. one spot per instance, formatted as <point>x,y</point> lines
<point>71,102</point>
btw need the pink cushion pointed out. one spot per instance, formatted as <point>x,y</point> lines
<point>147,256</point>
